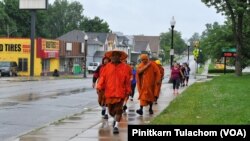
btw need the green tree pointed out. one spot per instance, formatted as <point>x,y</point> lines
<point>246,41</point>
<point>236,11</point>
<point>18,20</point>
<point>63,17</point>
<point>179,44</point>
<point>42,20</point>
<point>60,17</point>
<point>165,45</point>
<point>4,20</point>
<point>94,25</point>
<point>215,38</point>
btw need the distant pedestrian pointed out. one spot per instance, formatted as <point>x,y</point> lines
<point>186,73</point>
<point>182,81</point>
<point>133,85</point>
<point>147,77</point>
<point>176,76</point>
<point>101,96</point>
<point>133,81</point>
<point>115,82</point>
<point>56,73</point>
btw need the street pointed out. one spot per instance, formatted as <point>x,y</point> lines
<point>28,105</point>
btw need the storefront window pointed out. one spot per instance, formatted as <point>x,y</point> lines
<point>46,65</point>
<point>23,64</point>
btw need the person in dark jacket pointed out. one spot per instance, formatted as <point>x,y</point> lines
<point>101,96</point>
<point>133,81</point>
<point>186,73</point>
<point>56,73</point>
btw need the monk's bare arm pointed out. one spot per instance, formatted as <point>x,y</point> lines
<point>141,70</point>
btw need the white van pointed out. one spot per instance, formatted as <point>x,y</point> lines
<point>93,66</point>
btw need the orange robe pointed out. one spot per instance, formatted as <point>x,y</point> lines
<point>130,74</point>
<point>147,83</point>
<point>158,87</point>
<point>101,96</point>
<point>115,80</point>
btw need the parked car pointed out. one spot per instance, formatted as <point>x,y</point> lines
<point>93,66</point>
<point>8,68</point>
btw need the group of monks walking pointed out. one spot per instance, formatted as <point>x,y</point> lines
<point>115,82</point>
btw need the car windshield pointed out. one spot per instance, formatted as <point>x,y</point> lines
<point>4,64</point>
<point>93,64</point>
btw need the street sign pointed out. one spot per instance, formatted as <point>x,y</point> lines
<point>229,52</point>
<point>172,52</point>
<point>196,53</point>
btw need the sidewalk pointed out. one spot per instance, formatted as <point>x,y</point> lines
<point>89,125</point>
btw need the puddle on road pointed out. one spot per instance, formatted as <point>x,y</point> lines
<point>4,104</point>
<point>75,118</point>
<point>36,96</point>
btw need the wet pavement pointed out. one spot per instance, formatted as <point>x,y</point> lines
<point>89,125</point>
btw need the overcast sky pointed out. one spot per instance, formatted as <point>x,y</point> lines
<point>152,17</point>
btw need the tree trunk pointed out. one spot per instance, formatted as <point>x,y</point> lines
<point>239,45</point>
<point>238,68</point>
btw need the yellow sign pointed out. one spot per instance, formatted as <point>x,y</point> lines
<point>196,44</point>
<point>11,47</point>
<point>196,53</point>
<point>50,44</point>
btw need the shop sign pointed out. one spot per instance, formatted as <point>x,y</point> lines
<point>14,48</point>
<point>50,54</point>
<point>50,44</point>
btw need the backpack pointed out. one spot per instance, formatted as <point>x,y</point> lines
<point>186,71</point>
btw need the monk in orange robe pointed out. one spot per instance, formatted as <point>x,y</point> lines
<point>158,89</point>
<point>115,82</point>
<point>96,76</point>
<point>148,77</point>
